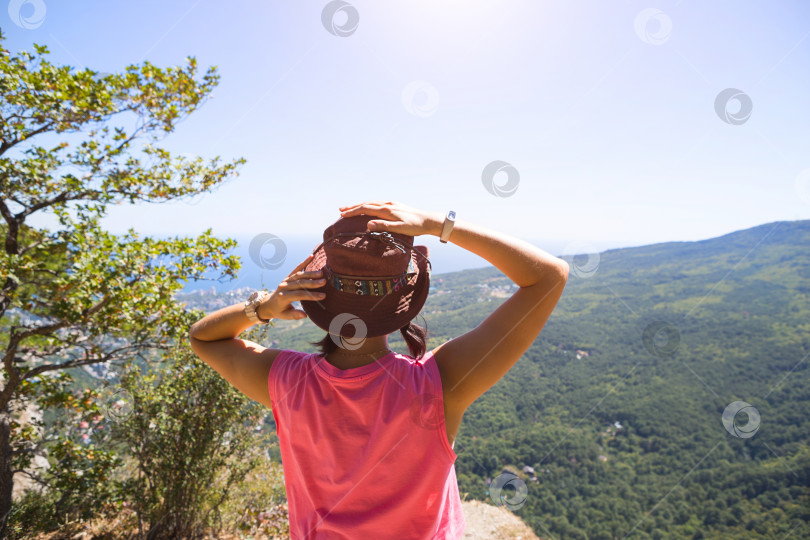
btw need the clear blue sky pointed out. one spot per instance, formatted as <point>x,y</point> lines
<point>606,111</point>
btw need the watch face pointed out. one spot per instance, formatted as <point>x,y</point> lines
<point>253,296</point>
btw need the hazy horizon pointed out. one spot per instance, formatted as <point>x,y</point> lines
<point>445,258</point>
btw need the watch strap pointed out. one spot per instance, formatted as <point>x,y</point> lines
<point>447,227</point>
<point>252,305</point>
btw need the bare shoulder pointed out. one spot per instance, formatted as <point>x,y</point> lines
<point>270,355</point>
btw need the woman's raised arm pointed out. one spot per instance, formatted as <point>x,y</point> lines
<point>473,362</point>
<point>243,363</point>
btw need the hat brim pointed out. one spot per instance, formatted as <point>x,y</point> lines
<point>381,315</point>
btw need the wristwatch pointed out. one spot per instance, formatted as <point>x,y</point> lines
<point>447,228</point>
<point>252,304</point>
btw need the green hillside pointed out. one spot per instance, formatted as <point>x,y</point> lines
<point>618,404</point>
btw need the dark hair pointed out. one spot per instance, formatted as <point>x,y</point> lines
<point>415,337</point>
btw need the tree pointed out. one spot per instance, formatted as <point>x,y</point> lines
<point>193,437</point>
<point>80,295</point>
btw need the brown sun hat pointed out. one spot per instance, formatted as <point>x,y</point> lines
<point>378,277</point>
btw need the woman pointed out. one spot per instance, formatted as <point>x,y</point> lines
<point>367,434</point>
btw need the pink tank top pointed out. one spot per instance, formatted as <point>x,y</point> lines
<point>364,450</point>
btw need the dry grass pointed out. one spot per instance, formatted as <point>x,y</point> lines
<point>484,522</point>
<point>124,526</point>
<point>487,522</point>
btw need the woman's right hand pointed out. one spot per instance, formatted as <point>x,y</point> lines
<point>397,218</point>
<point>294,288</point>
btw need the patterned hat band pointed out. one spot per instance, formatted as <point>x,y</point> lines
<point>374,286</point>
<point>371,286</point>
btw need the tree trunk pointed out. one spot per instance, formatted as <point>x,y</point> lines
<point>6,472</point>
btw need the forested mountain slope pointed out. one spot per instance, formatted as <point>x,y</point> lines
<point>618,405</point>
